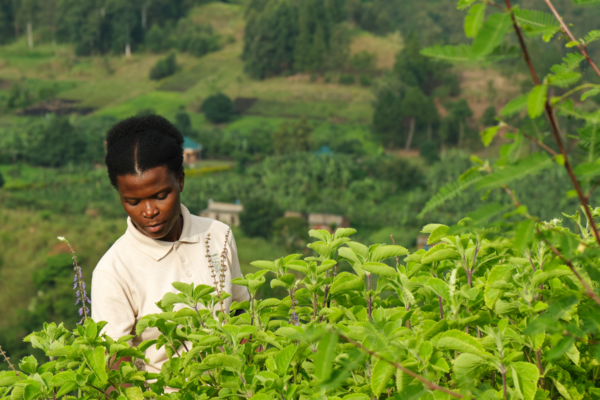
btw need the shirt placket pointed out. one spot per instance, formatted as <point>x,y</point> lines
<point>184,262</point>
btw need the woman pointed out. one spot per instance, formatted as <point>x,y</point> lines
<point>163,243</point>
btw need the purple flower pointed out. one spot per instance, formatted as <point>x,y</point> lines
<point>78,284</point>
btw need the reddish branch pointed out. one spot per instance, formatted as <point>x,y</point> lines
<point>587,287</point>
<point>565,28</point>
<point>554,125</point>
<point>430,385</point>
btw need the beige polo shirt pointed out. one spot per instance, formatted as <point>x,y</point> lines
<point>137,271</point>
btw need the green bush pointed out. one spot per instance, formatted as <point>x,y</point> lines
<point>429,151</point>
<point>258,217</point>
<point>164,67</point>
<point>2,181</point>
<point>347,79</point>
<point>469,318</point>
<point>218,108</point>
<point>364,80</point>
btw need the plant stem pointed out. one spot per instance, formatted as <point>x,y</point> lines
<point>7,359</point>
<point>441,307</point>
<point>551,116</point>
<point>430,385</point>
<point>503,370</point>
<point>587,287</point>
<point>565,28</point>
<point>538,360</point>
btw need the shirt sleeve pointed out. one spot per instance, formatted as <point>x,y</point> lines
<point>110,303</point>
<point>238,293</point>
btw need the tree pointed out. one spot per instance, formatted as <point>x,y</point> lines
<point>269,39</point>
<point>459,112</point>
<point>318,50</point>
<point>164,67</point>
<point>2,181</point>
<point>414,69</point>
<point>414,106</point>
<point>218,108</point>
<point>258,217</point>
<point>291,139</point>
<point>489,116</point>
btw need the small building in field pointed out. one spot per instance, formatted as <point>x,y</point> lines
<point>191,151</point>
<point>228,213</point>
<point>329,222</point>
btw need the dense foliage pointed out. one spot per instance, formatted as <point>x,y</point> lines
<point>475,315</point>
<point>218,108</point>
<point>164,67</point>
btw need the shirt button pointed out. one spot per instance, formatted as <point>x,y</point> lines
<point>189,274</point>
<point>182,259</point>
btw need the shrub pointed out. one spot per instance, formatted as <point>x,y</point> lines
<point>218,108</point>
<point>163,68</point>
<point>2,181</point>
<point>364,80</point>
<point>429,151</point>
<point>347,79</point>
<point>291,233</point>
<point>363,61</point>
<point>328,77</point>
<point>469,318</point>
<point>258,217</point>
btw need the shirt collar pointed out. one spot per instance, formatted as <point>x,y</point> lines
<point>158,249</point>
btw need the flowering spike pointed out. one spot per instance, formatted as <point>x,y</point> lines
<point>78,283</point>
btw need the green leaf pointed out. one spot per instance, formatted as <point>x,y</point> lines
<point>467,366</point>
<point>269,265</point>
<point>225,361</point>
<point>491,293</point>
<point>525,378</point>
<point>440,288</point>
<point>62,377</point>
<point>184,288</point>
<point>459,341</point>
<point>449,192</point>
<point>439,255</point>
<point>96,360</point>
<point>325,356</point>
<point>532,164</point>
<point>536,100</point>
<point>384,252</point>
<point>346,282</point>
<point>453,54</point>
<point>491,34</point>
<point>343,232</point>
<point>380,269</point>
<point>524,233</point>
<point>9,379</point>
<point>437,234</point>
<point>68,387</point>
<point>436,329</point>
<point>284,358</point>
<point>134,393</point>
<point>429,228</point>
<point>488,134</point>
<point>514,106</point>
<point>474,20</point>
<point>592,36</point>
<point>91,330</point>
<point>592,92</point>
<point>382,373</point>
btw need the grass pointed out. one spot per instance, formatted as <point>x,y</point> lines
<point>161,102</point>
<point>386,47</point>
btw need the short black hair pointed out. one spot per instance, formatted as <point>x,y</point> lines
<point>140,143</point>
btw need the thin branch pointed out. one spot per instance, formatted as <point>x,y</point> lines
<point>430,385</point>
<point>565,28</point>
<point>554,125</point>
<point>540,143</point>
<point>587,287</point>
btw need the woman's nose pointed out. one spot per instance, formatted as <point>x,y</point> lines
<point>149,210</point>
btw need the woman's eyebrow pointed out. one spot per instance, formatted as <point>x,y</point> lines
<point>152,195</point>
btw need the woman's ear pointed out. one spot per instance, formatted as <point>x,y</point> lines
<point>181,181</point>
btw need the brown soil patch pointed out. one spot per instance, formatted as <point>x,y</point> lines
<point>5,84</point>
<point>55,106</point>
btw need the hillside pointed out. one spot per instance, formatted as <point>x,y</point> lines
<point>119,86</point>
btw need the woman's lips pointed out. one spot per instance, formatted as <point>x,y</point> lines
<point>155,228</point>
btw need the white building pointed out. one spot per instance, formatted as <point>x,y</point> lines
<point>228,213</point>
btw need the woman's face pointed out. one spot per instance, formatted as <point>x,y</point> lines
<point>152,201</point>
